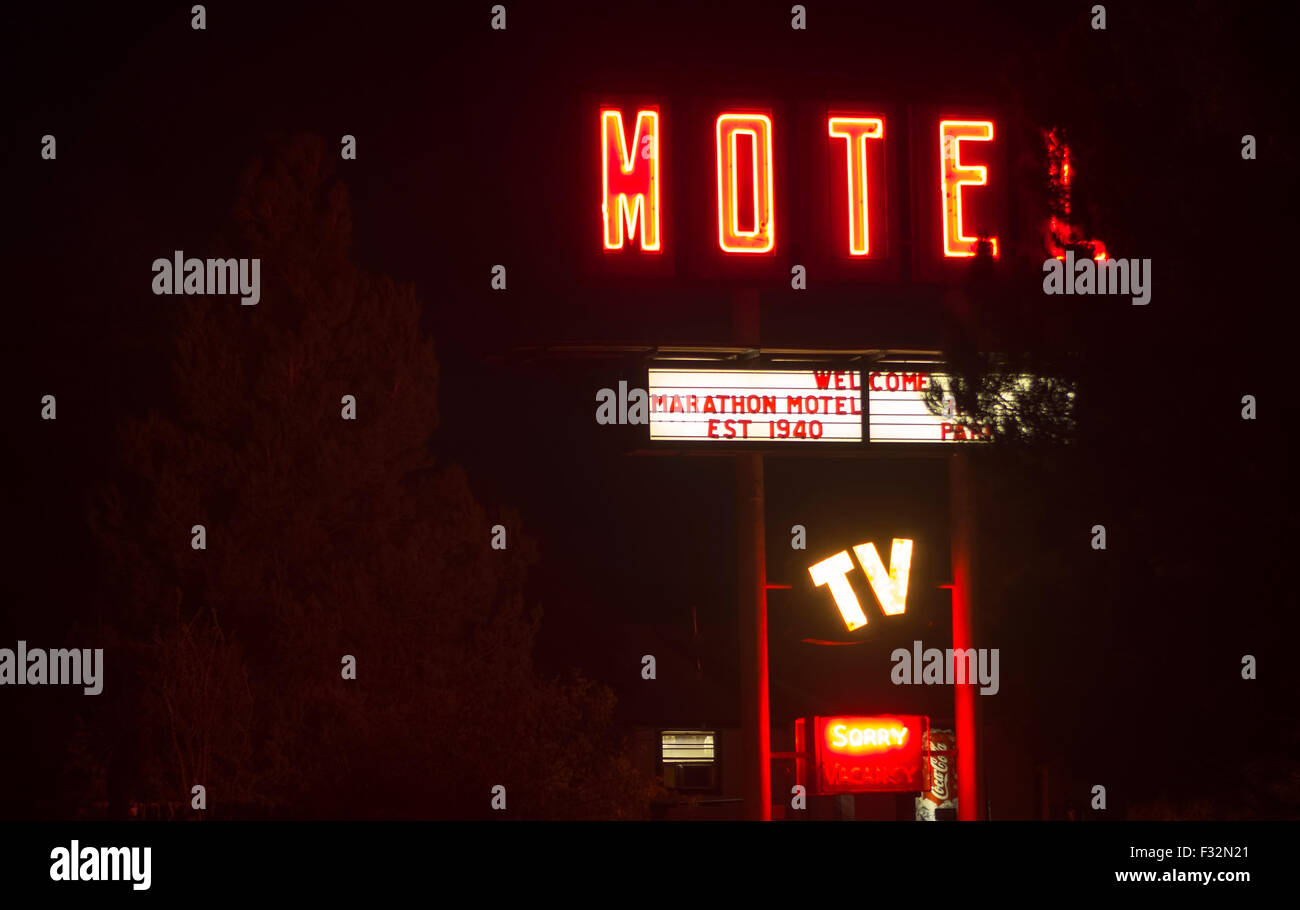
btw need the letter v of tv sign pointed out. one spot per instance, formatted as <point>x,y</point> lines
<point>890,587</point>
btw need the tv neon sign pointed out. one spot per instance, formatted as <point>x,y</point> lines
<point>746,202</point>
<point>889,585</point>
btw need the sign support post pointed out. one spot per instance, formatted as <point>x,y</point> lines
<point>752,606</point>
<point>752,589</point>
<point>962,517</point>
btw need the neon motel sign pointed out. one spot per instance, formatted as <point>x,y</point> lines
<point>631,180</point>
<point>889,585</point>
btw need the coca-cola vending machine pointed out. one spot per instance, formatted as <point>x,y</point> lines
<point>939,801</point>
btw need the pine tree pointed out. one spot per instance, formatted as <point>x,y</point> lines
<point>329,537</point>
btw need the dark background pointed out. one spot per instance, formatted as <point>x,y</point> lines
<point>475,148</point>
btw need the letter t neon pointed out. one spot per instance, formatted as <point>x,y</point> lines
<point>832,572</point>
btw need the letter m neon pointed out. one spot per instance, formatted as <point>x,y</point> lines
<point>630,180</point>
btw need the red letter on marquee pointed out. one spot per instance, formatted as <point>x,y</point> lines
<point>630,179</point>
<point>763,237</point>
<point>953,177</point>
<point>856,131</point>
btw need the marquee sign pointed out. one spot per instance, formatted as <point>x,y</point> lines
<point>876,754</point>
<point>899,412</point>
<point>756,405</point>
<point>902,403</point>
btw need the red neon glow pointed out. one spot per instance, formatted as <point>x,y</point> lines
<point>855,131</point>
<point>762,239</point>
<point>630,180</point>
<point>1060,232</point>
<point>801,746</point>
<point>871,754</point>
<point>954,175</point>
<point>965,708</point>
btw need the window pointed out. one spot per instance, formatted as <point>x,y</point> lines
<point>688,759</point>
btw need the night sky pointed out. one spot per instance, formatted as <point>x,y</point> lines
<point>478,148</point>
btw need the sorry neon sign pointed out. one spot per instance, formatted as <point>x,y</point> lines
<point>871,754</point>
<point>875,736</point>
<point>746,200</point>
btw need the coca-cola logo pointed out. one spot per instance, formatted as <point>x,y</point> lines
<point>939,770</point>
<point>939,763</point>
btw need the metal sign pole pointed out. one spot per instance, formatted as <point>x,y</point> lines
<point>752,605</point>
<point>753,638</point>
<point>962,507</point>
